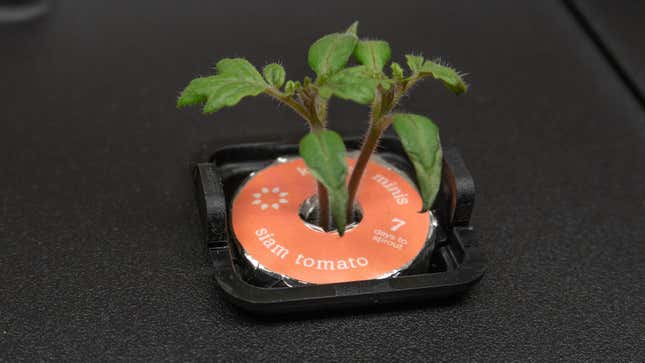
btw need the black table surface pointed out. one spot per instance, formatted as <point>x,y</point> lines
<point>101,252</point>
<point>618,28</point>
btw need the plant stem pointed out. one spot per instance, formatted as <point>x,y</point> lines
<point>295,106</point>
<point>384,102</point>
<point>367,149</point>
<point>323,208</point>
<point>323,195</point>
<point>314,113</point>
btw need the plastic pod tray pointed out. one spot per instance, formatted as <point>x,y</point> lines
<point>455,265</point>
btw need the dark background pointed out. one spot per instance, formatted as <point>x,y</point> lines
<point>101,253</point>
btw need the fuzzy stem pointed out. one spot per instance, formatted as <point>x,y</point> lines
<point>315,123</point>
<point>323,208</point>
<point>367,149</point>
<point>323,196</point>
<point>383,103</point>
<point>295,106</point>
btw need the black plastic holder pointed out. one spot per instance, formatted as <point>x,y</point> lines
<point>456,263</point>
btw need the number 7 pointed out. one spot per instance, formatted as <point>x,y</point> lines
<point>399,224</point>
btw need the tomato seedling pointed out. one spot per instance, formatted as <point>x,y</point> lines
<point>366,83</point>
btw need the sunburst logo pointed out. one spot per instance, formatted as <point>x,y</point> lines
<point>270,198</point>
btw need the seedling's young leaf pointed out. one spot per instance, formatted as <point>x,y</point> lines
<point>236,78</point>
<point>353,29</point>
<point>420,139</point>
<point>373,53</point>
<point>324,153</point>
<point>449,76</point>
<point>415,62</point>
<point>330,53</point>
<point>274,74</point>
<point>353,83</point>
<point>291,87</point>
<point>397,71</point>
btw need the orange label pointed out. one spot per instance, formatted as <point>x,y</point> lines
<point>266,222</point>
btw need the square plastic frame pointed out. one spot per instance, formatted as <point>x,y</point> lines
<point>456,263</point>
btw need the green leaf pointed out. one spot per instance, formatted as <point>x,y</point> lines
<point>397,71</point>
<point>291,87</point>
<point>324,153</point>
<point>420,139</point>
<point>330,53</point>
<point>373,53</point>
<point>415,62</point>
<point>353,83</point>
<point>236,78</point>
<point>353,29</point>
<point>274,74</point>
<point>449,76</point>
